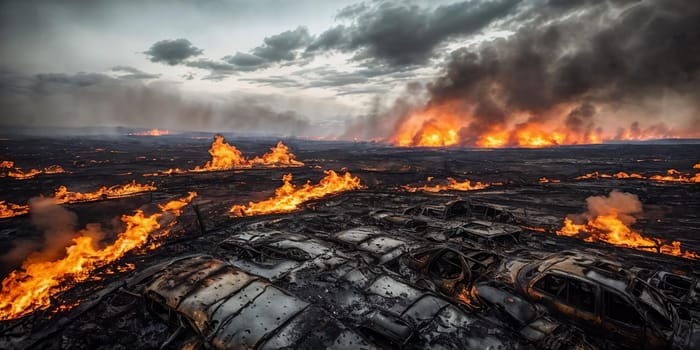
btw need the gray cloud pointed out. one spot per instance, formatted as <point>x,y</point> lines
<point>281,47</point>
<point>400,34</point>
<point>172,52</point>
<point>245,59</point>
<point>91,99</point>
<point>133,73</point>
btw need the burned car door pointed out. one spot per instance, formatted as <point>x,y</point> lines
<point>449,272</point>
<point>620,319</point>
<point>569,297</point>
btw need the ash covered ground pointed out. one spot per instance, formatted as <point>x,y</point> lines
<point>108,310</point>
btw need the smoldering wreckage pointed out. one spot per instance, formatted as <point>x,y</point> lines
<point>343,264</point>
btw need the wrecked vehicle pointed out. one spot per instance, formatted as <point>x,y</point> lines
<point>489,234</point>
<point>390,219</point>
<point>683,290</point>
<point>460,274</point>
<point>593,294</point>
<point>230,309</point>
<point>277,254</point>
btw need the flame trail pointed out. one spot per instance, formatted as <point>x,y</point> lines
<point>11,210</point>
<point>452,184</point>
<point>288,197</point>
<point>62,194</point>
<point>672,175</point>
<point>609,219</point>
<point>7,168</point>
<point>31,287</point>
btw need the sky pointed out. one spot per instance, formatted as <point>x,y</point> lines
<point>351,69</point>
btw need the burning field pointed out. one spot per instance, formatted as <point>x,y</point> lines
<point>93,254</point>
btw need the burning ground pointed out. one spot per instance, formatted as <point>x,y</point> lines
<point>99,245</point>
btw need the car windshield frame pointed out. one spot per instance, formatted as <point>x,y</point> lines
<point>656,303</point>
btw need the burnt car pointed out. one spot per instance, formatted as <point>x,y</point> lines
<point>374,243</point>
<point>596,295</point>
<point>489,234</point>
<point>681,289</point>
<point>450,210</point>
<point>389,219</point>
<point>394,314</point>
<point>461,274</point>
<point>230,309</point>
<point>277,254</point>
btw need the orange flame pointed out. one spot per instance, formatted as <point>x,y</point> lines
<point>672,175</point>
<point>457,122</point>
<point>288,197</point>
<point>62,194</point>
<point>223,157</point>
<point>432,127</point>
<point>226,157</point>
<point>452,184</point>
<point>152,132</point>
<point>278,155</point>
<point>10,210</point>
<point>610,224</point>
<point>31,287</point>
<point>696,166</point>
<point>8,169</point>
<point>544,180</point>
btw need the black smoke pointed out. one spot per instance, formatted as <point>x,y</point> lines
<point>585,53</point>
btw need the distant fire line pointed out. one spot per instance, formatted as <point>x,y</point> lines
<point>452,184</point>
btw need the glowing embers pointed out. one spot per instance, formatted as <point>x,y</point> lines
<point>226,157</point>
<point>152,132</point>
<point>8,210</point>
<point>288,197</point>
<point>31,287</point>
<point>609,220</point>
<point>672,175</point>
<point>62,194</point>
<point>545,180</point>
<point>7,168</point>
<point>452,184</point>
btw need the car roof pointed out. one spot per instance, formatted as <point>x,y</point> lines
<point>490,229</point>
<point>593,269</point>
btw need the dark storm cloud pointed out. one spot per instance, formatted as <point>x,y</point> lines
<point>648,47</point>
<point>281,47</point>
<point>277,48</point>
<point>401,34</point>
<point>128,72</point>
<point>91,99</point>
<point>172,52</point>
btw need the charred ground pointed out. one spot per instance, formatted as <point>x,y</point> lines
<point>107,312</point>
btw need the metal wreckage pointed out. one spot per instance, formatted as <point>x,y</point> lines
<point>374,270</point>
